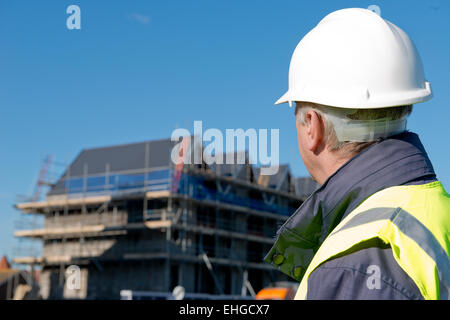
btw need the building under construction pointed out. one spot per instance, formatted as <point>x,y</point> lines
<point>131,219</point>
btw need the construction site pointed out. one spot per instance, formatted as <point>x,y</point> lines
<point>129,219</point>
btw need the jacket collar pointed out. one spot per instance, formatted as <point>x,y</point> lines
<point>398,160</point>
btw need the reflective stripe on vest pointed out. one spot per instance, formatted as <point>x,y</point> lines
<point>413,220</point>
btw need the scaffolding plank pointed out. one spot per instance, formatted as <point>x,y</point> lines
<point>59,231</point>
<point>60,202</point>
<point>157,194</point>
<point>158,224</point>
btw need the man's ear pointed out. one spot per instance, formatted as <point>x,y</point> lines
<point>315,130</point>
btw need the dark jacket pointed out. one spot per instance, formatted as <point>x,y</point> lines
<point>399,160</point>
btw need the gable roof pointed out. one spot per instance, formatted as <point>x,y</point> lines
<point>113,159</point>
<point>304,186</point>
<point>272,181</point>
<point>122,157</point>
<point>4,264</point>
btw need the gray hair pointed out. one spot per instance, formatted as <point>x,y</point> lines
<point>346,148</point>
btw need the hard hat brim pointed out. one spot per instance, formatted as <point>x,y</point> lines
<point>284,98</point>
<point>356,99</point>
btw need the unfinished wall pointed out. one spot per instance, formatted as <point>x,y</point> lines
<point>59,219</point>
<point>114,277</point>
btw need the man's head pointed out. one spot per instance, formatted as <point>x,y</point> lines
<point>360,74</point>
<point>328,137</point>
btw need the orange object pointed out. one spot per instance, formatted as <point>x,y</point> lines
<point>276,293</point>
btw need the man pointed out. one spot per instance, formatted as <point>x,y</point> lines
<point>378,227</point>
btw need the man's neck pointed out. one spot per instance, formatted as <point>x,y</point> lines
<point>329,164</point>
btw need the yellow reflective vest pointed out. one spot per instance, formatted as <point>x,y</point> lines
<point>414,220</point>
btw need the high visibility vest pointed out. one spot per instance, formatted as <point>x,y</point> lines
<point>414,220</point>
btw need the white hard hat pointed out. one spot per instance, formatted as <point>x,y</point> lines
<point>355,59</point>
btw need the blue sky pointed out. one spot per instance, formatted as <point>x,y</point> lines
<point>139,69</point>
